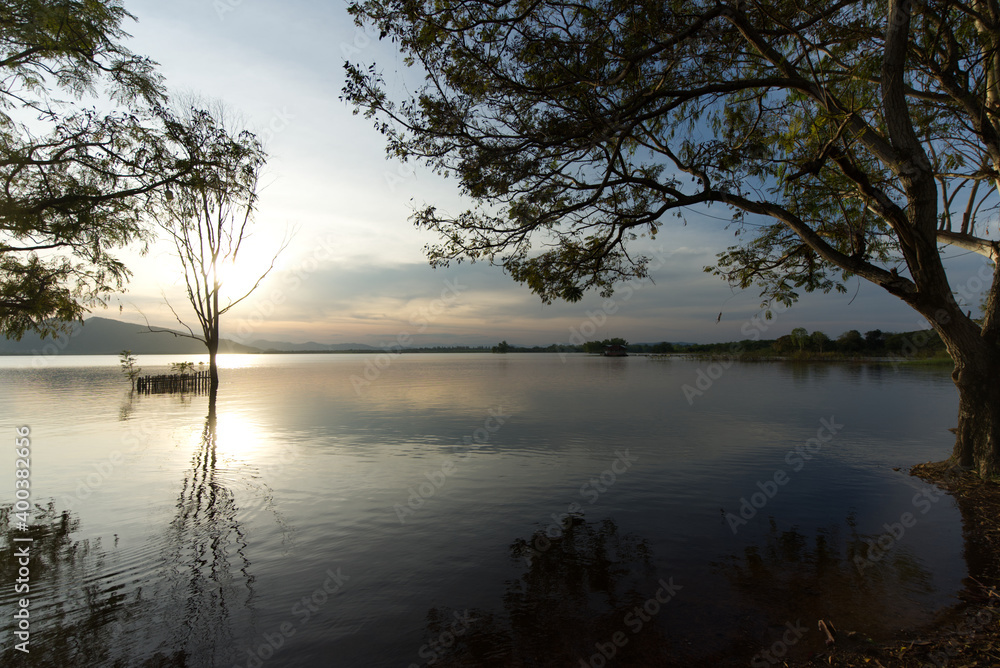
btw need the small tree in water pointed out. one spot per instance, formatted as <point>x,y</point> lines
<point>182,368</point>
<point>208,215</point>
<point>127,361</point>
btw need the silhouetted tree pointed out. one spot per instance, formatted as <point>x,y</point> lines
<point>784,344</point>
<point>74,179</point>
<point>208,215</point>
<point>874,340</point>
<point>801,337</point>
<point>819,340</point>
<point>850,341</point>
<point>127,361</point>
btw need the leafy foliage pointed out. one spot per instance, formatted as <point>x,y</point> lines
<point>595,347</point>
<point>208,213</point>
<point>72,179</point>
<point>127,361</point>
<point>577,128</point>
<point>182,368</point>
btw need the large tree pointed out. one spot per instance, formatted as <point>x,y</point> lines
<point>72,177</point>
<point>853,138</point>
<point>208,214</point>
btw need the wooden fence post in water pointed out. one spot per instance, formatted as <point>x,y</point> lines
<point>200,381</point>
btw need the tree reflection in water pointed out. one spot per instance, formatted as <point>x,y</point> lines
<point>76,614</point>
<point>579,592</point>
<point>208,571</point>
<point>792,578</point>
<point>90,609</point>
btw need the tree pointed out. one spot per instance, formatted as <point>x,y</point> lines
<point>182,368</point>
<point>845,140</point>
<point>800,336</point>
<point>850,341</point>
<point>73,180</point>
<point>663,348</point>
<point>874,340</point>
<point>819,340</point>
<point>128,364</point>
<point>208,213</point>
<point>502,347</point>
<point>784,344</point>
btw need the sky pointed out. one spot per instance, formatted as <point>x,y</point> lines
<point>354,270</point>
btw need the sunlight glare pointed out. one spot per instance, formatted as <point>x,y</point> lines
<point>237,436</point>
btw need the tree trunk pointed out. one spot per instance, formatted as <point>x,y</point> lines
<point>212,343</point>
<point>212,340</point>
<point>211,420</point>
<point>978,435</point>
<point>213,366</point>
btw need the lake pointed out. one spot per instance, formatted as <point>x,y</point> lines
<point>474,510</point>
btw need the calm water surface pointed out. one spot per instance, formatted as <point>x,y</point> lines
<point>473,510</point>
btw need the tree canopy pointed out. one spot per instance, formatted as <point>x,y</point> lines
<point>591,121</point>
<point>845,139</point>
<point>72,177</point>
<point>208,214</point>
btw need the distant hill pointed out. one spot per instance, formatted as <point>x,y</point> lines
<point>104,336</point>
<point>309,346</point>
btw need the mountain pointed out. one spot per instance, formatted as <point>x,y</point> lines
<point>309,346</point>
<point>103,336</point>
